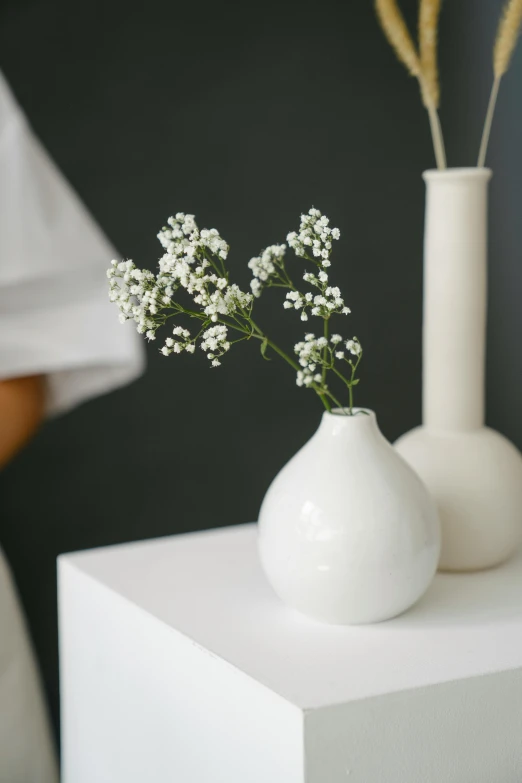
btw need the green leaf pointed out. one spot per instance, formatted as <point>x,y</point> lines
<point>355,382</point>
<point>264,346</point>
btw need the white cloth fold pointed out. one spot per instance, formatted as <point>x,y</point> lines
<point>55,320</point>
<point>26,748</point>
<point>55,315</point>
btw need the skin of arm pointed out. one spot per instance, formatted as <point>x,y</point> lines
<point>22,409</point>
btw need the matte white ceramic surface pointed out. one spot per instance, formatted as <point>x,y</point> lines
<point>474,473</point>
<point>179,665</point>
<point>348,534</point>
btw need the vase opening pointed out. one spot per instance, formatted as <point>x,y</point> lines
<point>345,412</point>
<point>458,174</point>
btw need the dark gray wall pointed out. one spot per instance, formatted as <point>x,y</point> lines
<point>505,263</point>
<point>245,114</point>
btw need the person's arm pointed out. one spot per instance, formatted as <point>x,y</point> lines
<point>22,409</point>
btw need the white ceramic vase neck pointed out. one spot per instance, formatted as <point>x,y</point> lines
<point>362,427</point>
<point>455,271</point>
<point>473,472</point>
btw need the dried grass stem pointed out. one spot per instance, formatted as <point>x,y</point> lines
<point>488,123</point>
<point>422,65</point>
<point>505,43</point>
<point>437,137</point>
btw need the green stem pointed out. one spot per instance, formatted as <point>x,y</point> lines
<point>210,258</point>
<point>349,383</point>
<point>262,336</point>
<point>323,397</point>
<point>350,398</point>
<point>336,402</point>
<point>282,354</point>
<point>325,349</point>
<point>341,376</point>
<point>350,388</point>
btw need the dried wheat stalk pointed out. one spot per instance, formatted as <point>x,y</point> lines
<point>505,43</point>
<point>397,33</point>
<point>429,11</point>
<point>424,65</point>
<point>507,35</point>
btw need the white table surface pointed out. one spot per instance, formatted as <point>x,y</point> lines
<point>210,588</point>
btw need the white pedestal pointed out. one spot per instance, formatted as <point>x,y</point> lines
<point>179,664</point>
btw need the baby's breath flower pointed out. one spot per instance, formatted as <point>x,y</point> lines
<point>354,346</point>
<point>295,300</point>
<point>310,356</point>
<point>328,302</point>
<point>215,339</point>
<point>265,267</point>
<point>314,232</point>
<point>182,343</point>
<point>187,264</point>
<point>192,266</point>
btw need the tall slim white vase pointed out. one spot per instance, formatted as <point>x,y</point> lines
<point>474,473</point>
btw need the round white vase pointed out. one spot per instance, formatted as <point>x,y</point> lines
<point>473,472</point>
<point>348,534</point>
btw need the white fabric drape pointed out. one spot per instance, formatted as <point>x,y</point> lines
<point>56,320</point>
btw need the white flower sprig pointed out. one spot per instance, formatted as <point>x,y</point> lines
<point>193,264</point>
<point>317,355</point>
<point>314,243</point>
<point>314,234</point>
<point>193,261</point>
<point>269,269</point>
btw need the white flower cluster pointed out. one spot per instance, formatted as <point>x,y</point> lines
<point>187,264</point>
<point>354,346</point>
<point>193,265</point>
<point>310,357</point>
<point>265,266</point>
<point>136,293</point>
<point>193,261</point>
<point>184,238</point>
<point>315,353</point>
<point>226,300</point>
<point>324,304</point>
<point>215,340</point>
<point>177,346</point>
<point>314,234</point>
